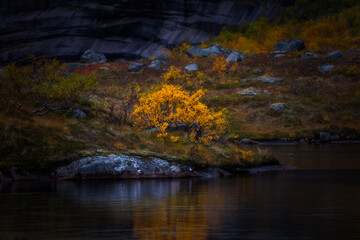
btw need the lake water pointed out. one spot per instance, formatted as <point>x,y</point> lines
<point>320,200</point>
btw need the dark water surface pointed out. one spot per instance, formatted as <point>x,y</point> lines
<point>321,200</point>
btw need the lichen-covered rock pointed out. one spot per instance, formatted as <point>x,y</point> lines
<point>155,64</point>
<point>78,114</point>
<point>123,166</point>
<point>290,45</point>
<point>271,79</point>
<point>325,68</point>
<point>250,92</point>
<point>162,56</point>
<point>192,67</point>
<point>136,67</point>
<point>92,56</point>
<point>336,54</point>
<point>235,57</point>
<point>196,52</point>
<point>277,107</point>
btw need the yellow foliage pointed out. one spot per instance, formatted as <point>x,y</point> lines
<point>245,155</point>
<point>179,52</point>
<point>172,75</point>
<point>220,65</point>
<point>171,105</point>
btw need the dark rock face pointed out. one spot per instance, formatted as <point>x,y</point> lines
<point>121,29</point>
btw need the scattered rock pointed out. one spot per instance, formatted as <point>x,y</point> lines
<point>92,56</point>
<point>353,53</point>
<point>249,92</point>
<point>156,64</point>
<point>215,49</point>
<point>325,68</point>
<point>161,56</point>
<point>206,52</point>
<point>279,55</point>
<point>325,136</point>
<point>335,54</point>
<point>197,52</point>
<point>277,106</point>
<point>309,55</point>
<point>136,67</point>
<point>235,57</point>
<point>248,141</point>
<point>192,67</point>
<point>271,79</point>
<point>290,45</point>
<point>78,114</point>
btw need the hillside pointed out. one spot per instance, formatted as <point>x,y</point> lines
<point>264,96</point>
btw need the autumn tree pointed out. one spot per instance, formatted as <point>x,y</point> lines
<point>173,108</point>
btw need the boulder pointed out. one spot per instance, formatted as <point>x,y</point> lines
<point>136,67</point>
<point>235,57</point>
<point>249,92</point>
<point>78,114</point>
<point>192,67</point>
<point>206,52</point>
<point>122,166</point>
<point>335,54</point>
<point>279,55</point>
<point>277,106</point>
<point>215,49</point>
<point>309,55</point>
<point>92,56</point>
<point>325,68</point>
<point>161,56</point>
<point>271,79</point>
<point>197,52</point>
<point>156,64</point>
<point>290,45</point>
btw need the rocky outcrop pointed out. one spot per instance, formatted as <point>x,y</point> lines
<point>124,166</point>
<point>120,29</point>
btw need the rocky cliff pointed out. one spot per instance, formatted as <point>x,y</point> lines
<point>119,28</point>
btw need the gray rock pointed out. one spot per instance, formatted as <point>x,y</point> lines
<point>78,114</point>
<point>215,49</point>
<point>156,64</point>
<point>335,54</point>
<point>277,106</point>
<point>249,92</point>
<point>192,67</point>
<point>271,79</point>
<point>325,68</point>
<point>248,141</point>
<point>196,52</point>
<point>325,136</point>
<point>161,56</point>
<point>309,55</point>
<point>136,67</point>
<point>235,57</point>
<point>279,55</point>
<point>278,52</point>
<point>122,166</point>
<point>92,56</point>
<point>256,71</point>
<point>353,53</point>
<point>290,45</point>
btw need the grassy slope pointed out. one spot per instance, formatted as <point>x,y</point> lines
<point>313,102</point>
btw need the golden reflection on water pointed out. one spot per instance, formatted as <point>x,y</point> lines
<point>181,216</point>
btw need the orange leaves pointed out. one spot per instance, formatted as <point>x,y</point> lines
<point>172,106</point>
<point>220,65</point>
